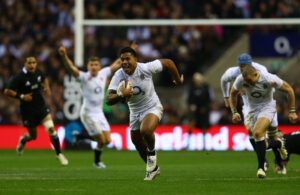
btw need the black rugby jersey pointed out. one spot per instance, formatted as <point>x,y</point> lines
<point>292,142</point>
<point>26,82</point>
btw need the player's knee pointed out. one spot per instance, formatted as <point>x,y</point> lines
<point>146,131</point>
<point>33,136</point>
<point>258,135</point>
<point>100,145</point>
<point>49,126</point>
<point>107,141</point>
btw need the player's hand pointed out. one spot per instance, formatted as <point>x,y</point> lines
<point>236,117</point>
<point>134,46</point>
<point>293,117</point>
<point>226,101</point>
<point>27,97</point>
<point>62,50</point>
<point>127,92</point>
<point>47,91</point>
<point>180,81</point>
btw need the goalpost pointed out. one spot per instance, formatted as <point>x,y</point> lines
<point>80,23</point>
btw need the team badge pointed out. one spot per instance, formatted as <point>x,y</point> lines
<point>142,76</point>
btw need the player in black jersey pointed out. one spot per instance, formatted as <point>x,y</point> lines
<point>292,145</point>
<point>29,86</point>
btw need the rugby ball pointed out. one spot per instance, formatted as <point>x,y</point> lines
<point>122,85</point>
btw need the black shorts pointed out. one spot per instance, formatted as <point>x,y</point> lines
<point>32,118</point>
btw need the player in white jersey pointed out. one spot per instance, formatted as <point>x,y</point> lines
<point>258,87</point>
<point>228,77</point>
<point>144,104</point>
<point>93,85</point>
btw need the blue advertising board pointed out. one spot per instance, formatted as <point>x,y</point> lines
<point>274,45</point>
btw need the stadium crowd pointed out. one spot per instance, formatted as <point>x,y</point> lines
<point>37,28</point>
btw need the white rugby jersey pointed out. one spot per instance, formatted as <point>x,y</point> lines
<point>144,95</point>
<point>93,89</point>
<point>232,73</point>
<point>262,92</point>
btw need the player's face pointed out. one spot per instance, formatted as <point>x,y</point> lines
<point>30,64</point>
<point>251,79</point>
<point>243,67</point>
<point>94,67</point>
<point>128,63</point>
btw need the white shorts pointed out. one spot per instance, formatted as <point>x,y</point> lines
<point>268,111</point>
<point>94,123</point>
<point>136,118</point>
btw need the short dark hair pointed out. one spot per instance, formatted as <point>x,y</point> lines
<point>94,58</point>
<point>128,50</point>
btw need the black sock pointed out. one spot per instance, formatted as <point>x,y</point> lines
<point>252,141</point>
<point>97,155</point>
<point>55,142</point>
<point>143,152</point>
<point>274,144</point>
<point>24,139</point>
<point>152,152</point>
<point>261,153</point>
<point>278,159</point>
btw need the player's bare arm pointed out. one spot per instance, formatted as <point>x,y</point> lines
<point>293,117</point>
<point>171,67</point>
<point>112,97</point>
<point>23,97</point>
<point>115,65</point>
<point>232,101</point>
<point>225,86</point>
<point>71,68</point>
<point>46,87</point>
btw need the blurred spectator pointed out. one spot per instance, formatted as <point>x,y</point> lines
<point>199,103</point>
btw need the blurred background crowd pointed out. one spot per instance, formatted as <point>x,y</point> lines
<point>38,27</point>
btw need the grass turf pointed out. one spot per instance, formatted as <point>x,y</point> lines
<point>183,172</point>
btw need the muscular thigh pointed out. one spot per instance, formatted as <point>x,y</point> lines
<point>261,125</point>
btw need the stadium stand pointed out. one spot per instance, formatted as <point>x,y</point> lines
<point>38,27</point>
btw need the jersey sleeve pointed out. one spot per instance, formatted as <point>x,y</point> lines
<point>237,85</point>
<point>115,81</point>
<point>106,72</point>
<point>259,67</point>
<point>274,80</point>
<point>153,67</point>
<point>14,84</point>
<point>229,75</point>
<point>43,76</point>
<point>82,76</point>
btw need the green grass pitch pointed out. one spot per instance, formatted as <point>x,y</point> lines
<point>183,172</point>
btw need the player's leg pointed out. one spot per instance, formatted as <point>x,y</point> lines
<point>259,131</point>
<point>100,139</point>
<point>276,140</point>
<point>107,137</point>
<point>252,141</point>
<point>92,123</point>
<point>139,143</point>
<point>148,126</point>
<point>30,135</point>
<point>49,126</point>
<point>30,122</point>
